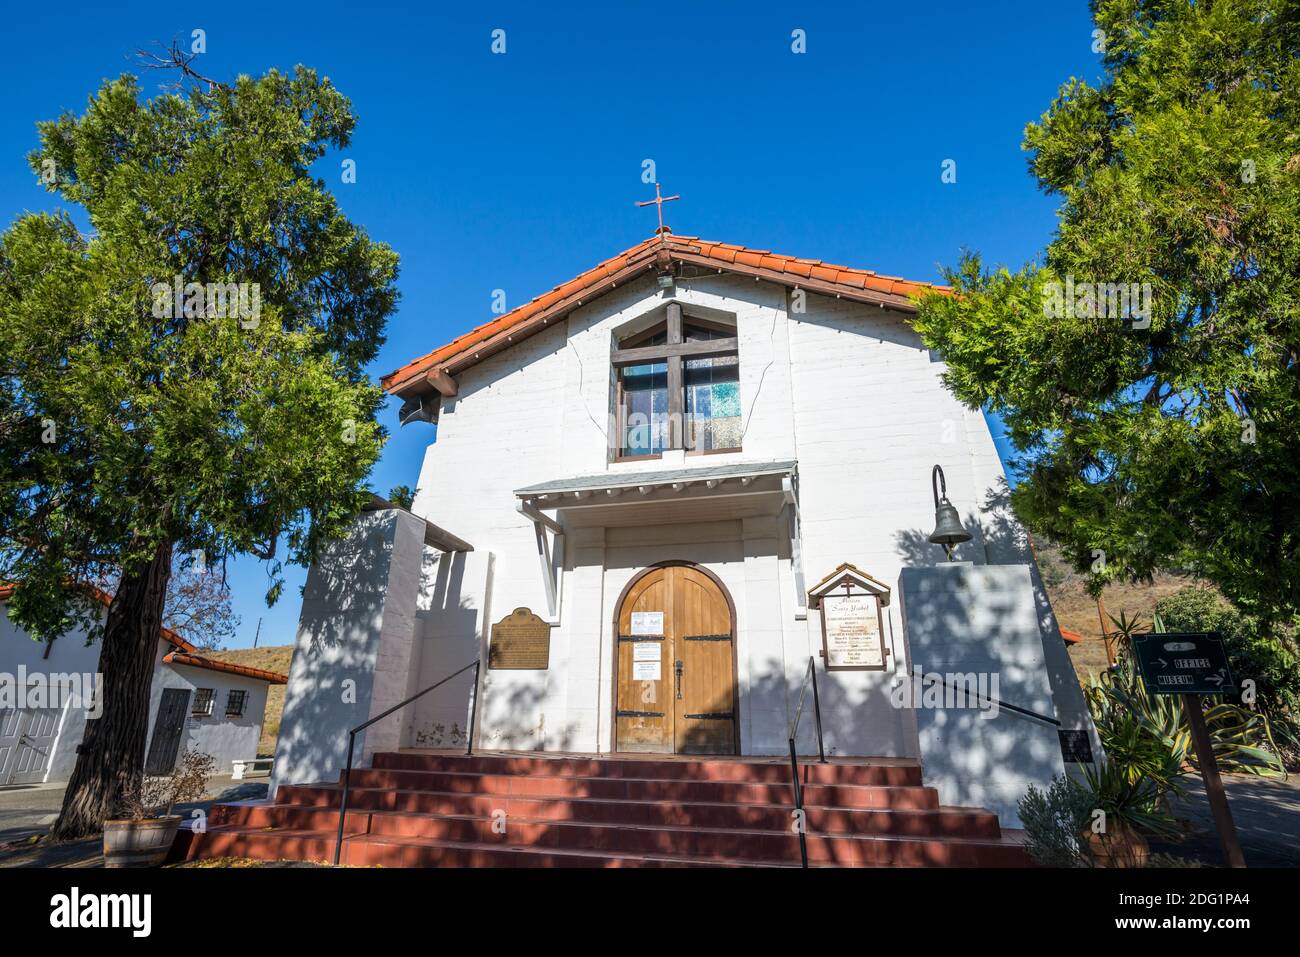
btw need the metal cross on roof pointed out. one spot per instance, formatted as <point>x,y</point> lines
<point>659,201</point>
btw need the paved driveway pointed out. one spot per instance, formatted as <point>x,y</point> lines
<point>28,809</point>
<point>26,812</point>
<point>1265,811</point>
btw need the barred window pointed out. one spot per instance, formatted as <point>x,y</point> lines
<point>203,698</point>
<point>235,701</point>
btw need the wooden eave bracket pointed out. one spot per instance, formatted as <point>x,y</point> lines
<point>791,496</point>
<point>549,556</point>
<point>442,381</point>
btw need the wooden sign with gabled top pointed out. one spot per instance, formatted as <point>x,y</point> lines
<point>853,627</point>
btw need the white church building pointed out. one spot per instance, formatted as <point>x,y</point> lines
<point>650,498</point>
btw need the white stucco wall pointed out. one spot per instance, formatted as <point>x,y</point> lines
<point>356,652</point>
<point>70,655</point>
<point>846,389</point>
<point>226,739</point>
<point>976,628</point>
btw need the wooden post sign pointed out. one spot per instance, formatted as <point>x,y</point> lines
<point>853,633</point>
<point>520,642</point>
<point>1191,665</point>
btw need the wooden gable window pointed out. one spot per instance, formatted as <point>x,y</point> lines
<point>678,388</point>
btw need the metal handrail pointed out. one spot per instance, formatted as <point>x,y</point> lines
<point>809,675</point>
<point>998,701</point>
<point>352,740</point>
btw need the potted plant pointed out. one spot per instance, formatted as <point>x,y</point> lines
<point>1124,811</point>
<point>144,833</point>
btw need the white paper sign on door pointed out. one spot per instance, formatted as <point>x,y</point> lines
<point>646,671</point>
<point>647,622</point>
<point>647,651</point>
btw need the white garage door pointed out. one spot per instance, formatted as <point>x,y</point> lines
<point>27,738</point>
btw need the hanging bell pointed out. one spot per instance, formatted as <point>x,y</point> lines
<point>948,530</point>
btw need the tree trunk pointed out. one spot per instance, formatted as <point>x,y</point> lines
<point>111,756</point>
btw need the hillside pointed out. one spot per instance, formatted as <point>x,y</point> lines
<point>273,658</point>
<point>1077,610</point>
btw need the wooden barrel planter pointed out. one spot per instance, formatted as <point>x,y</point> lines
<point>143,843</point>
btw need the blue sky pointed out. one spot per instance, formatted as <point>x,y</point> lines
<point>519,171</point>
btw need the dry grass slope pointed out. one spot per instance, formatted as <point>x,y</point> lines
<point>272,658</point>
<point>1077,610</point>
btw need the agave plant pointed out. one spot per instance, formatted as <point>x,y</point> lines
<point>1148,734</point>
<point>1135,801</point>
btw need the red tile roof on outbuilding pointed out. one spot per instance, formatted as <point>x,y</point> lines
<point>211,664</point>
<point>1071,637</point>
<point>184,653</point>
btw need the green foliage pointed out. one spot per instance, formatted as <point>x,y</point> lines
<point>1125,798</point>
<point>124,424</point>
<point>1253,656</point>
<point>1053,820</point>
<point>1148,735</point>
<point>403,496</point>
<point>1171,445</point>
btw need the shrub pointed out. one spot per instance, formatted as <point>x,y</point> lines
<point>158,796</point>
<point>1252,655</point>
<point>1053,821</point>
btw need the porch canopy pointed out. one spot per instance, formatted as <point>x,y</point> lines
<point>706,493</point>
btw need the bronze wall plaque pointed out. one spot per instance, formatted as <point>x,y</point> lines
<point>520,642</point>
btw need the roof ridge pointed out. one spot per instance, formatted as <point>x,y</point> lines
<point>814,274</point>
<point>215,664</point>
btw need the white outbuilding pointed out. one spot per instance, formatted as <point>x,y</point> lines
<point>47,694</point>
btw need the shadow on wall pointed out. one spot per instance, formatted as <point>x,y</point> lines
<point>331,673</point>
<point>981,629</point>
<point>846,703</point>
<point>997,538</point>
<point>523,725</point>
<point>449,623</point>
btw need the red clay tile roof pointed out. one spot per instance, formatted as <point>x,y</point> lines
<point>655,253</point>
<point>198,661</point>
<point>1071,637</point>
<point>180,644</point>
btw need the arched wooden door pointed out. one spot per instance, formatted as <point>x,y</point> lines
<point>676,668</point>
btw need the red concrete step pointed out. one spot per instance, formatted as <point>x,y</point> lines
<point>440,809</point>
<point>407,852</point>
<point>732,848</point>
<point>948,822</point>
<point>753,771</point>
<point>536,785</point>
